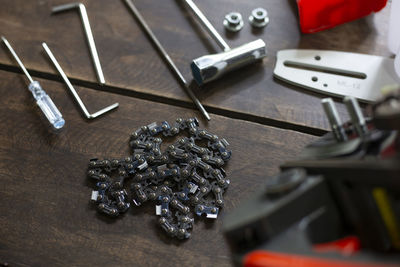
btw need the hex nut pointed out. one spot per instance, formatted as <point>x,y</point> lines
<point>259,17</point>
<point>233,22</point>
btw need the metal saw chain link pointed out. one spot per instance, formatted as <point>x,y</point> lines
<point>185,175</point>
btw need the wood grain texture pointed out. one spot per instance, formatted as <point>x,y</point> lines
<point>45,215</point>
<point>131,63</point>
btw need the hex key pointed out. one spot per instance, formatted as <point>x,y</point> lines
<point>89,35</point>
<point>72,89</point>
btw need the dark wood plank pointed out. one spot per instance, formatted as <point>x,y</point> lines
<point>131,63</point>
<point>46,218</point>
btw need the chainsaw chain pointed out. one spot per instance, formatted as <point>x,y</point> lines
<point>186,175</point>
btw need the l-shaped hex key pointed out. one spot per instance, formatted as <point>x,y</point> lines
<point>73,91</point>
<point>89,35</point>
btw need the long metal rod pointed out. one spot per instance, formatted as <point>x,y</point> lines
<point>167,58</point>
<point>88,33</point>
<point>72,89</point>
<point>17,59</point>
<point>206,23</point>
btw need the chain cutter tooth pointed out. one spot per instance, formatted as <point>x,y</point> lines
<point>162,208</point>
<point>207,211</point>
<point>190,188</point>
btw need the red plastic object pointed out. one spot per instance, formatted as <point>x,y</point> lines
<point>273,259</point>
<point>346,246</point>
<point>318,15</point>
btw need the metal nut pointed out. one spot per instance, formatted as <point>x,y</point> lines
<point>259,17</point>
<point>233,22</point>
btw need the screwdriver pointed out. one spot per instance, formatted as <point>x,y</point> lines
<point>42,99</point>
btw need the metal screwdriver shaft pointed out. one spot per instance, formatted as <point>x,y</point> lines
<point>167,58</point>
<point>21,65</point>
<point>42,99</point>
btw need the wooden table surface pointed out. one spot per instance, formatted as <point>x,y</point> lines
<point>45,215</point>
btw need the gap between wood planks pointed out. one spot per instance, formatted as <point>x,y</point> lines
<point>174,102</point>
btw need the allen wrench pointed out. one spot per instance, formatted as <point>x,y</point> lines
<point>89,35</point>
<point>210,67</point>
<point>167,58</point>
<point>73,91</point>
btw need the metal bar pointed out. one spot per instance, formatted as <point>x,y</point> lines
<point>206,23</point>
<point>17,59</point>
<point>356,116</point>
<point>167,58</point>
<point>334,119</point>
<point>88,33</point>
<point>73,91</point>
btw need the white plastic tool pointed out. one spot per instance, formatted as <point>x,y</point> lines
<point>336,73</point>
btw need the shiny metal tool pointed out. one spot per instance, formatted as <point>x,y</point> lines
<point>44,102</point>
<point>167,58</point>
<point>89,35</point>
<point>356,116</point>
<point>334,119</point>
<point>72,89</point>
<point>210,67</point>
